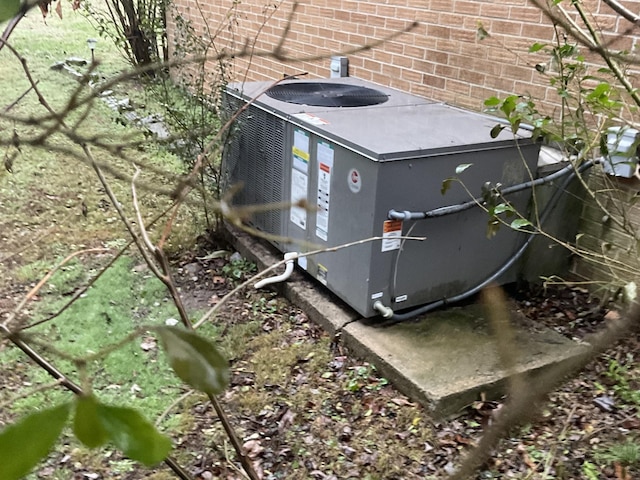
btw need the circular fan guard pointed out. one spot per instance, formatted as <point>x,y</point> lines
<point>319,94</point>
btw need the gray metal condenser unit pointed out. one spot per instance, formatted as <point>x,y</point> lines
<point>353,151</point>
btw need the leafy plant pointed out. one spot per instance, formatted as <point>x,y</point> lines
<point>193,358</point>
<point>590,471</point>
<point>362,377</point>
<point>625,453</point>
<point>624,382</point>
<point>239,268</point>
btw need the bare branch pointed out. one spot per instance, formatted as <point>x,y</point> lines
<point>623,11</point>
<point>33,292</point>
<point>524,405</point>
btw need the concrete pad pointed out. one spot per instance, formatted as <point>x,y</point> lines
<point>444,361</point>
<point>449,357</point>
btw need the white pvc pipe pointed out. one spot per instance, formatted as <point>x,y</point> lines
<point>381,308</point>
<point>290,258</point>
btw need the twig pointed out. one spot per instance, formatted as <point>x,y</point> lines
<point>40,388</point>
<point>499,318</point>
<point>229,295</point>
<point>33,241</point>
<point>17,100</point>
<point>46,278</point>
<point>136,208</point>
<point>83,290</point>
<point>526,402</point>
<point>175,403</point>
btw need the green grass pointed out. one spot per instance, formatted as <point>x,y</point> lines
<point>119,303</point>
<point>42,222</point>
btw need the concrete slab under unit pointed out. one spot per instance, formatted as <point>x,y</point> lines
<point>444,360</point>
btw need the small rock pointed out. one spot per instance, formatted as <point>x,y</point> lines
<point>235,257</point>
<point>171,322</point>
<point>192,268</point>
<point>77,61</point>
<point>604,403</point>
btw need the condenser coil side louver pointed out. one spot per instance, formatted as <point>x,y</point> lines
<point>354,165</point>
<point>255,162</point>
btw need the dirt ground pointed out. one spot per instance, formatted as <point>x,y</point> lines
<point>305,408</point>
<point>330,416</point>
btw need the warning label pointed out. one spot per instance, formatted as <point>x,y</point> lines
<point>325,165</point>
<point>391,233</point>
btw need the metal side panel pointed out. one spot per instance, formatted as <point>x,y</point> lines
<point>457,255</point>
<point>254,163</point>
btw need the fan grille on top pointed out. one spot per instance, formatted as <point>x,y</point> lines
<point>319,94</point>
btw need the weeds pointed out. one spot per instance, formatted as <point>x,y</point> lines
<point>626,454</point>
<point>624,382</point>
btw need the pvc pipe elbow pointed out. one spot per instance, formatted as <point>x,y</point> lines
<point>290,258</point>
<point>382,309</point>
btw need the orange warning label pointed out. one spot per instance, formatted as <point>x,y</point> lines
<point>391,233</point>
<point>392,226</point>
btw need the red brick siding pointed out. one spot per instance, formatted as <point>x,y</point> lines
<point>441,58</point>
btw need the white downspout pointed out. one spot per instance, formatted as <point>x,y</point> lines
<point>290,258</point>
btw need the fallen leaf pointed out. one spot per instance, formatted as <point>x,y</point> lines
<point>149,343</point>
<point>403,402</point>
<point>612,316</point>
<point>604,403</point>
<point>253,448</point>
<point>286,420</point>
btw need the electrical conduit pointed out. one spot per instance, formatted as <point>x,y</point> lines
<point>570,171</point>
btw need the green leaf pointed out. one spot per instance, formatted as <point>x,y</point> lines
<point>481,33</point>
<point>520,223</point>
<point>446,185</point>
<point>8,9</point>
<point>496,130</point>
<point>492,102</point>
<point>25,443</point>
<point>133,434</point>
<point>86,423</point>
<point>462,167</point>
<point>509,105</point>
<point>536,47</point>
<point>502,208</point>
<point>195,360</point>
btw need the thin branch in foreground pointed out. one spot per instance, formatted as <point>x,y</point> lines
<point>278,264</point>
<point>525,403</point>
<point>33,292</point>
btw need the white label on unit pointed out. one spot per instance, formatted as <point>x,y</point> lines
<point>302,262</point>
<point>299,177</point>
<point>391,233</point>
<point>325,165</point>
<point>309,118</point>
<point>299,183</point>
<point>354,180</point>
<point>401,298</point>
<point>322,274</point>
<point>376,295</point>
<point>300,150</point>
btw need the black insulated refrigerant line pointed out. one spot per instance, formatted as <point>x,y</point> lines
<point>569,171</point>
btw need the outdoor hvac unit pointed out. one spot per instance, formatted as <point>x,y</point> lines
<point>353,151</point>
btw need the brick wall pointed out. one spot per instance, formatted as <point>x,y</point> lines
<point>441,58</point>
<point>611,235</point>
